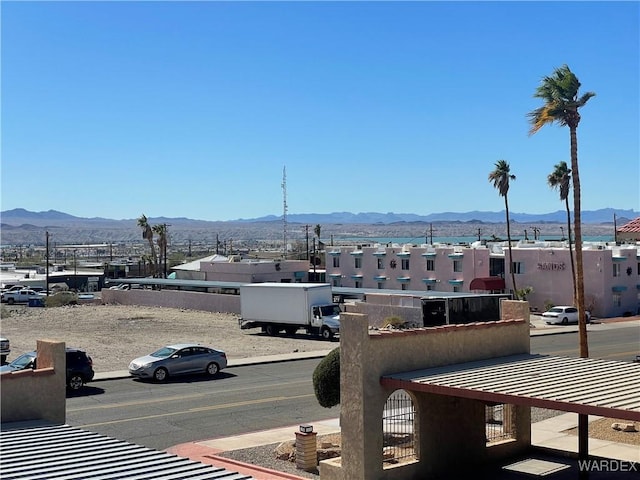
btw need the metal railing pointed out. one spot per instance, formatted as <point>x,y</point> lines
<point>398,428</point>
<point>499,423</point>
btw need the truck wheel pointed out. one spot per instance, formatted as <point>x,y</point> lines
<point>291,331</point>
<point>326,333</point>
<point>271,330</point>
<point>10,301</point>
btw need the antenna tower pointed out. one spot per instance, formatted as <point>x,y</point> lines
<point>284,211</point>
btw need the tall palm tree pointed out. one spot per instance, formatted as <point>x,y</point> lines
<point>161,231</point>
<point>147,234</point>
<point>500,177</point>
<point>560,179</point>
<point>559,92</point>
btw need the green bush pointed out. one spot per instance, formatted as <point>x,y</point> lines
<point>326,379</point>
<point>61,298</point>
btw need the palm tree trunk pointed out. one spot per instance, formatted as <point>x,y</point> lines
<point>573,267</point>
<point>577,227</point>
<point>513,275</point>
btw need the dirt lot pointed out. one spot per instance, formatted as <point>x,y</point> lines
<point>115,334</point>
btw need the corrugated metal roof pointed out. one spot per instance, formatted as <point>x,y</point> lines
<point>65,452</point>
<point>582,385</point>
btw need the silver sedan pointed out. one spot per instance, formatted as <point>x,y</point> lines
<point>178,359</point>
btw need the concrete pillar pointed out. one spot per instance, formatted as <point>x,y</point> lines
<point>361,401</point>
<point>306,451</point>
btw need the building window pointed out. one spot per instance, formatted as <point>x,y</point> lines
<point>405,264</point>
<point>380,264</point>
<point>431,265</point>
<point>358,284</point>
<point>616,269</point>
<point>403,286</point>
<point>358,262</point>
<point>638,268</point>
<point>617,299</point>
<point>517,267</point>
<point>336,282</point>
<point>456,288</point>
<point>380,285</point>
<point>457,265</point>
<point>429,287</point>
<point>336,262</point>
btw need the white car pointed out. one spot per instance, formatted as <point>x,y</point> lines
<point>563,315</point>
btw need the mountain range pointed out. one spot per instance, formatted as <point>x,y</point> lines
<point>20,216</point>
<point>23,227</point>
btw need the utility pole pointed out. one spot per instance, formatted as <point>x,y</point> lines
<point>47,264</point>
<point>306,229</point>
<point>284,212</point>
<point>479,233</point>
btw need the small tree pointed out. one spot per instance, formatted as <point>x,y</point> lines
<point>326,380</point>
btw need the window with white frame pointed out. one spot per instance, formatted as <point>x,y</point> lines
<point>380,264</point>
<point>517,267</point>
<point>357,262</point>
<point>457,265</point>
<point>336,262</point>
<point>617,299</point>
<point>405,264</point>
<point>616,269</point>
<point>431,265</point>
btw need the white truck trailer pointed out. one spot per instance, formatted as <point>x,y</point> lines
<point>288,307</point>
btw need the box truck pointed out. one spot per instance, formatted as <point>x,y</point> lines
<point>289,307</point>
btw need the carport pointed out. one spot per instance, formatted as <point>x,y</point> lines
<point>585,386</point>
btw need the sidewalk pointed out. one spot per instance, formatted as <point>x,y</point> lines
<point>547,435</point>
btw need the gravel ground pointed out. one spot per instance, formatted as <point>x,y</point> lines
<point>116,334</point>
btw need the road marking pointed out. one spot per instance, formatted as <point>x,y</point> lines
<point>198,409</point>
<point>173,398</point>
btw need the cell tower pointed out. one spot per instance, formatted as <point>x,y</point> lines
<point>284,211</point>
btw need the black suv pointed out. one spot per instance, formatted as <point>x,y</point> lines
<point>79,366</point>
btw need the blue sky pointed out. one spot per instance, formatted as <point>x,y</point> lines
<point>176,109</point>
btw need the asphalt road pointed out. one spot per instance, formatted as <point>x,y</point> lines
<point>240,400</point>
<point>252,398</point>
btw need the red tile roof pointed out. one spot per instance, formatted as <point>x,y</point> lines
<point>632,226</point>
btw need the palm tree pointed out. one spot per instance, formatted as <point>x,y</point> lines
<point>560,178</point>
<point>161,231</point>
<point>559,92</point>
<point>501,177</point>
<point>147,233</point>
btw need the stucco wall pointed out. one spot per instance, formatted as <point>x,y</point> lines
<point>37,394</point>
<point>208,302</point>
<point>447,425</point>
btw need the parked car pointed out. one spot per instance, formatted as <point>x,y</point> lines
<point>178,359</point>
<point>5,349</point>
<point>21,296</point>
<point>79,366</point>
<point>563,315</point>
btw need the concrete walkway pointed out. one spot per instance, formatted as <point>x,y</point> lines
<point>549,434</point>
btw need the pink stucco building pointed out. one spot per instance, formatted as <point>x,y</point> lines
<point>612,273</point>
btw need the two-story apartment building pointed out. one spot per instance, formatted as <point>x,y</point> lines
<point>612,273</point>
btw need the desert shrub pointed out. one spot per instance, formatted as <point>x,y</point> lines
<point>61,298</point>
<point>326,379</point>
<point>548,304</point>
<point>393,321</point>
